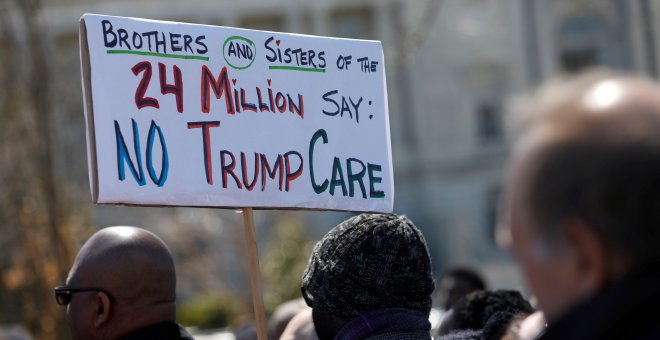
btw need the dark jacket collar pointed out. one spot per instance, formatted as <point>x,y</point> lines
<point>623,309</point>
<point>160,331</point>
<point>382,321</point>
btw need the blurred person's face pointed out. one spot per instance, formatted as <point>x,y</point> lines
<point>452,289</point>
<point>552,270</point>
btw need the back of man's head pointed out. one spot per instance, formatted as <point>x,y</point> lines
<point>282,315</point>
<point>133,281</point>
<point>586,173</point>
<point>476,309</point>
<point>456,282</point>
<point>367,263</point>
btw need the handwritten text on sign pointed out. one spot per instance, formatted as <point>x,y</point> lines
<point>194,115</point>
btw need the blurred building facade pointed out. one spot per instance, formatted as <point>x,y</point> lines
<point>451,67</point>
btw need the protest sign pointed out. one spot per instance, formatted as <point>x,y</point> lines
<point>194,115</point>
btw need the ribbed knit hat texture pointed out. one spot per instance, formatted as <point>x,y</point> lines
<point>369,262</point>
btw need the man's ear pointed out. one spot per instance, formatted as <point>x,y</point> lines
<point>592,258</point>
<point>102,309</point>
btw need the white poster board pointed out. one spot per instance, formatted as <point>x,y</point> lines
<point>194,115</point>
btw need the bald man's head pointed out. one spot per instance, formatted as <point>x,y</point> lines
<point>135,269</point>
<point>585,180</point>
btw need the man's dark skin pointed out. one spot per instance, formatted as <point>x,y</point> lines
<point>136,272</point>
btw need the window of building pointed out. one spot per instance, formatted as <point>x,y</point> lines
<point>491,212</point>
<point>264,23</point>
<point>576,60</point>
<point>307,23</point>
<point>356,23</point>
<point>595,36</point>
<point>580,44</point>
<point>489,121</point>
<point>213,22</point>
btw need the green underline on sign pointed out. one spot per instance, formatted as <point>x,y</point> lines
<point>295,68</point>
<point>156,54</point>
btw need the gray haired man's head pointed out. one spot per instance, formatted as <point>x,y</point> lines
<point>583,190</point>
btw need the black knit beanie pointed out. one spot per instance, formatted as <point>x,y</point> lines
<point>369,262</point>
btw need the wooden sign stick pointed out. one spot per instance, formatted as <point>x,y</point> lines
<point>255,273</point>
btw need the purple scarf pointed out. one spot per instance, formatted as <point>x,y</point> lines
<point>384,321</point>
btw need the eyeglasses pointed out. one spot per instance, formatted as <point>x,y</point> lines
<point>63,295</point>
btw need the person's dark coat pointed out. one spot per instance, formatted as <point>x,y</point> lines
<point>386,324</point>
<point>625,309</point>
<point>161,331</point>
